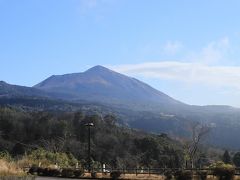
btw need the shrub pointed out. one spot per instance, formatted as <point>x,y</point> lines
<point>78,172</point>
<point>236,159</point>
<point>94,174</point>
<point>168,175</point>
<point>202,175</point>
<point>223,171</point>
<point>183,175</point>
<point>47,158</point>
<point>45,172</point>
<point>5,156</point>
<point>115,174</point>
<point>67,172</point>
<point>40,171</point>
<point>33,170</point>
<point>53,172</point>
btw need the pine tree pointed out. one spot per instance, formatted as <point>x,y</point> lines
<point>236,159</point>
<point>226,157</point>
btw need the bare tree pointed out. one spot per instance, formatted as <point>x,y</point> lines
<point>198,132</point>
<point>54,145</point>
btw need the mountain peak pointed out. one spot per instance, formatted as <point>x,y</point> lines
<point>98,68</point>
<point>100,84</point>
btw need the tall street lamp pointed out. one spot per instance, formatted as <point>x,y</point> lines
<point>89,125</point>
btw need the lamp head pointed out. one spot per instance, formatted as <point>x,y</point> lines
<point>89,124</point>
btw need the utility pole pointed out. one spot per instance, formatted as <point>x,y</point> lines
<point>89,125</point>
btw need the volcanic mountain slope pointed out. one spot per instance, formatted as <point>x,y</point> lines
<point>132,101</point>
<point>145,107</point>
<point>104,86</point>
<point>8,90</point>
<point>100,84</point>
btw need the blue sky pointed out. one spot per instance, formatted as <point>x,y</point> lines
<point>187,49</point>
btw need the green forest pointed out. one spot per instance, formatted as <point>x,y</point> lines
<point>61,132</point>
<point>44,140</point>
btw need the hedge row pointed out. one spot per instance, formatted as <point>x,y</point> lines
<point>223,173</point>
<point>66,172</point>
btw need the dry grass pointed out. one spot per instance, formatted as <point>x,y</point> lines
<point>10,169</point>
<point>24,162</point>
<point>27,162</point>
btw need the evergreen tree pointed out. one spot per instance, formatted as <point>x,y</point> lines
<point>236,159</point>
<point>226,157</point>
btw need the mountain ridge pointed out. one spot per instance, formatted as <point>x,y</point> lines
<point>105,85</point>
<point>102,90</point>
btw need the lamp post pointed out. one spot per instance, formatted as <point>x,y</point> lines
<point>89,125</point>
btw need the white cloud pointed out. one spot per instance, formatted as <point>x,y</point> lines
<point>222,76</point>
<point>172,47</point>
<point>213,53</point>
<point>203,67</point>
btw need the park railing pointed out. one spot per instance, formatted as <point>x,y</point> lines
<point>157,171</point>
<point>133,172</point>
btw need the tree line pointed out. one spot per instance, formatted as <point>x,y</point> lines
<point>22,132</point>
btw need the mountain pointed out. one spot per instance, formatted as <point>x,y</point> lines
<point>136,104</point>
<point>8,90</point>
<point>143,107</point>
<point>100,84</point>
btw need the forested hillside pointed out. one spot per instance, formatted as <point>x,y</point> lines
<point>135,104</point>
<point>223,120</point>
<point>117,146</point>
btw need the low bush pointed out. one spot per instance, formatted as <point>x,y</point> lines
<point>94,174</point>
<point>4,155</point>
<point>78,172</point>
<point>56,172</point>
<point>33,170</point>
<point>67,172</point>
<point>115,174</point>
<point>46,172</point>
<point>46,158</point>
<point>40,171</point>
<point>223,171</point>
<point>183,175</point>
<point>202,175</point>
<point>168,175</point>
<point>52,172</point>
